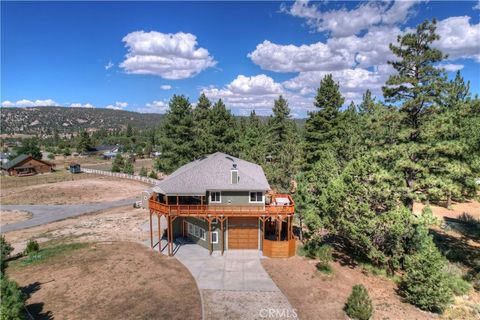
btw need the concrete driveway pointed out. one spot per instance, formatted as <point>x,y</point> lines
<point>43,214</point>
<point>235,270</point>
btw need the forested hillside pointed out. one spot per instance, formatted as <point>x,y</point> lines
<point>46,120</point>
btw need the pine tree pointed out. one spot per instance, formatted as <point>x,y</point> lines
<point>252,143</point>
<point>177,136</point>
<point>223,129</point>
<point>84,142</point>
<point>359,306</point>
<point>416,88</point>
<point>205,142</point>
<point>282,147</point>
<point>30,146</point>
<point>118,163</point>
<point>321,128</point>
<point>425,283</point>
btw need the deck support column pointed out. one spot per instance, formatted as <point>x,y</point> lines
<point>159,234</point>
<point>151,231</point>
<point>221,234</point>
<point>168,234</point>
<point>210,245</point>
<point>288,228</point>
<point>280,229</point>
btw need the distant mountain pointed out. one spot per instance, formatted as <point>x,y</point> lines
<point>43,120</point>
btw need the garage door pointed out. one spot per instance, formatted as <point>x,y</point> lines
<point>242,233</point>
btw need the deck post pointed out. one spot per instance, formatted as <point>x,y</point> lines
<point>151,231</point>
<point>288,227</point>
<point>221,233</point>
<point>159,234</point>
<point>280,229</point>
<point>168,233</point>
<point>210,246</point>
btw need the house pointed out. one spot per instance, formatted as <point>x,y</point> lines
<point>104,150</point>
<point>221,202</point>
<point>25,165</point>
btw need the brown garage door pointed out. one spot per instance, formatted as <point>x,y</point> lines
<point>242,233</point>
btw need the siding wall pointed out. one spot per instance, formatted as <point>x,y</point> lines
<point>234,197</point>
<point>203,224</point>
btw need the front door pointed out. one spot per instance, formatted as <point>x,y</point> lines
<point>242,233</point>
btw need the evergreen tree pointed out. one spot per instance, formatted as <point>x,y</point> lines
<point>128,167</point>
<point>321,128</point>
<point>30,146</point>
<point>205,142</point>
<point>129,131</point>
<point>415,88</point>
<point>143,172</point>
<point>223,129</point>
<point>84,142</point>
<point>282,147</point>
<point>252,143</point>
<point>118,163</point>
<point>425,283</point>
<point>178,136</point>
<point>359,306</point>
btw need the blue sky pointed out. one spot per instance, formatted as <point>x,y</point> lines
<point>136,55</point>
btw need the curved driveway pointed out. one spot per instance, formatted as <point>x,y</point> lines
<point>42,214</point>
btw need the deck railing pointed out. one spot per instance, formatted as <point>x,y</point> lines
<point>218,209</point>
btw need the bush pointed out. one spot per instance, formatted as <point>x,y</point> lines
<point>143,172</point>
<point>5,250</point>
<point>51,156</point>
<point>12,304</point>
<point>153,175</point>
<point>458,285</point>
<point>312,246</point>
<point>32,247</point>
<point>425,283</point>
<point>359,306</point>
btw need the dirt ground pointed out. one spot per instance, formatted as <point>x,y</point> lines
<point>458,208</point>
<point>12,216</point>
<point>118,224</point>
<point>93,189</point>
<point>117,280</point>
<point>318,296</point>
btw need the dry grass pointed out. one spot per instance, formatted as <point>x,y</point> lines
<point>13,216</point>
<point>92,188</point>
<point>108,281</point>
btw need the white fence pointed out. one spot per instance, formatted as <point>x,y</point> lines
<point>121,175</point>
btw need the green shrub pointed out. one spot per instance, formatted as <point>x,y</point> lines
<point>324,254</point>
<point>143,172</point>
<point>153,175</point>
<point>312,246</point>
<point>32,247</point>
<point>5,250</point>
<point>51,156</point>
<point>324,268</point>
<point>12,304</point>
<point>359,306</point>
<point>425,283</point>
<point>458,285</point>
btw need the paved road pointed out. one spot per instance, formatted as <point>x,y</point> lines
<point>43,214</point>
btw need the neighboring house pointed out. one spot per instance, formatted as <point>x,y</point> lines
<point>25,165</point>
<point>105,150</point>
<point>221,202</point>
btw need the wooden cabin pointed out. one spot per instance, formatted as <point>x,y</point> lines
<point>221,203</point>
<point>25,165</point>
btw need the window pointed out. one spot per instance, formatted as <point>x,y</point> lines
<point>256,197</point>
<point>214,237</point>
<point>195,231</point>
<point>215,197</point>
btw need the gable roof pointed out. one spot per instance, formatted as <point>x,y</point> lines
<point>213,173</point>
<point>16,161</point>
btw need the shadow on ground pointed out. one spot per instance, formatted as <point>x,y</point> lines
<point>35,310</point>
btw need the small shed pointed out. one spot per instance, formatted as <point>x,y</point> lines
<point>74,168</point>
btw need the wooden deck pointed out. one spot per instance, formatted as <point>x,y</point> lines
<point>246,210</point>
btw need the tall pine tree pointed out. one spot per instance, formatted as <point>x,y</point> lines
<point>177,136</point>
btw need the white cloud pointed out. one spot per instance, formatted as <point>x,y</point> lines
<point>157,106</point>
<point>109,65</point>
<point>79,105</point>
<point>117,106</point>
<point>459,38</point>
<point>343,22</point>
<point>166,87</point>
<point>451,67</point>
<point>30,103</point>
<point>335,54</point>
<point>477,6</point>
<point>170,56</point>
<point>353,82</point>
<point>256,92</point>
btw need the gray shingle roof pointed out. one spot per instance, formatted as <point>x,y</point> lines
<point>213,173</point>
<point>12,163</point>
